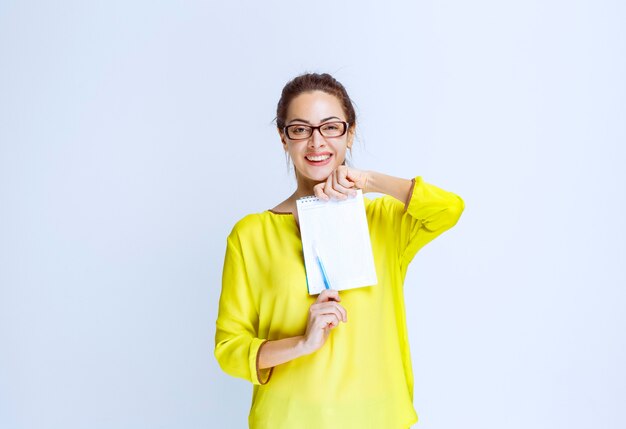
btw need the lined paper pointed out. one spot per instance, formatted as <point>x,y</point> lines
<point>339,231</point>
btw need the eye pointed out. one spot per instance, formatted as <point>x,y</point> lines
<point>299,130</point>
<point>333,129</point>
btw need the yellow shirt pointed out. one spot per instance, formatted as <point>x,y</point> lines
<point>362,376</point>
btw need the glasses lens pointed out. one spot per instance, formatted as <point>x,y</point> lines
<point>333,129</point>
<point>298,131</point>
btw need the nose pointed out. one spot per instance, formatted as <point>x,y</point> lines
<point>316,139</point>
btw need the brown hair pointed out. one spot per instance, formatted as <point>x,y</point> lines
<point>313,82</point>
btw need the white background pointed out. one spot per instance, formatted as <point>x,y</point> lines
<point>133,135</point>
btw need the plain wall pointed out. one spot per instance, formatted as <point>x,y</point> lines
<point>133,135</point>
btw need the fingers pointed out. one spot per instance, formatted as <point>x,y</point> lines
<point>328,295</point>
<point>328,321</point>
<point>324,315</point>
<point>328,302</point>
<point>327,308</point>
<point>328,189</point>
<point>337,186</point>
<point>343,179</point>
<point>318,190</point>
<point>342,188</point>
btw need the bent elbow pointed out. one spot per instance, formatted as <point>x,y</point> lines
<point>453,213</point>
<point>456,209</point>
<point>220,355</point>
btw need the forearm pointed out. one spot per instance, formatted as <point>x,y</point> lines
<point>275,352</point>
<point>395,186</point>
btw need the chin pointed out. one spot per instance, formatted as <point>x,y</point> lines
<point>317,176</point>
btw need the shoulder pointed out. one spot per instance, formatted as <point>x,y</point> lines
<point>249,225</point>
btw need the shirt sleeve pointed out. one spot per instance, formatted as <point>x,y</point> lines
<point>236,343</point>
<point>427,213</point>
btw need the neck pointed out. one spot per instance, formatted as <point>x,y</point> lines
<point>305,187</point>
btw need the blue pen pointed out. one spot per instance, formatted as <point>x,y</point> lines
<point>321,265</point>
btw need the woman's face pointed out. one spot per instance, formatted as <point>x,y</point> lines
<point>316,157</point>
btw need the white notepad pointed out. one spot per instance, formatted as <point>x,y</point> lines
<point>338,230</point>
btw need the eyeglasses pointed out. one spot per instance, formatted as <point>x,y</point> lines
<point>302,132</point>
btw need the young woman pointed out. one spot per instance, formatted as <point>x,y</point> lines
<point>335,360</point>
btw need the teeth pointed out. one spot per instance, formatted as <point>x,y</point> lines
<point>318,158</point>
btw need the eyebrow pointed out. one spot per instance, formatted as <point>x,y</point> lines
<point>304,120</point>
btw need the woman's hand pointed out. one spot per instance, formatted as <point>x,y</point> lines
<point>341,183</point>
<point>324,315</point>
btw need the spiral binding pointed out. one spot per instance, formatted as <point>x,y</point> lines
<point>309,199</point>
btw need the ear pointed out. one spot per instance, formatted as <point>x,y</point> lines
<point>351,133</point>
<point>283,139</point>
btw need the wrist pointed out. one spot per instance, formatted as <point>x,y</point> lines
<point>301,347</point>
<point>389,185</point>
<point>370,182</point>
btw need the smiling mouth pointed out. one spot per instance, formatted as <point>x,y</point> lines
<point>318,158</point>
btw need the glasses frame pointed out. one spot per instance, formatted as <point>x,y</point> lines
<point>346,125</point>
